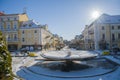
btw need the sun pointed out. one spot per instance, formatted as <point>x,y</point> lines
<point>95,14</point>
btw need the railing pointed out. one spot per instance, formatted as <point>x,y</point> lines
<point>12,40</point>
<point>91,32</point>
<point>10,30</point>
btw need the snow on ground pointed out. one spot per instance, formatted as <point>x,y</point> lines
<point>113,57</point>
<point>19,62</point>
<point>19,69</point>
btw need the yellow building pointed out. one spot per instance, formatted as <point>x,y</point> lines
<point>33,35</point>
<point>20,32</point>
<point>9,25</point>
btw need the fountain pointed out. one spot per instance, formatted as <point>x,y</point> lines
<point>68,60</point>
<point>71,64</point>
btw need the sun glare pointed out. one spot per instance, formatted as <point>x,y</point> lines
<point>95,14</point>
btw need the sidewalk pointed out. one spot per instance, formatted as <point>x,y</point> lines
<point>113,58</point>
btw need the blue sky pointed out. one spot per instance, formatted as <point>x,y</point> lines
<point>66,18</point>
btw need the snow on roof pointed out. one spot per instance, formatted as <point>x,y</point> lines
<point>30,24</point>
<point>105,18</point>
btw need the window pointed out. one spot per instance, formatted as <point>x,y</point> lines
<point>15,37</point>
<point>8,27</point>
<point>24,25</point>
<point>23,39</point>
<point>103,36</point>
<point>15,19</point>
<point>119,27</point>
<point>113,37</point>
<point>8,19</point>
<point>112,27</point>
<point>118,35</point>
<point>8,37</point>
<point>1,19</point>
<point>14,26</point>
<point>23,32</point>
<point>1,27</point>
<point>35,31</point>
<point>102,27</point>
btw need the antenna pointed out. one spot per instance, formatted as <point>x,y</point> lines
<point>24,10</point>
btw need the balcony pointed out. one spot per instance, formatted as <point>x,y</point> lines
<point>91,32</point>
<point>9,30</point>
<point>12,40</point>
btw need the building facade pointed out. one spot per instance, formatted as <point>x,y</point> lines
<point>104,32</point>
<point>20,32</point>
<point>10,25</point>
<point>33,35</point>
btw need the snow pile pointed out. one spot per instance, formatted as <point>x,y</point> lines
<point>68,54</point>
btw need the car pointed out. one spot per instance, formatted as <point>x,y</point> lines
<point>32,54</point>
<point>23,50</point>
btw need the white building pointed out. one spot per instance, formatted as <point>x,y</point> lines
<point>105,29</point>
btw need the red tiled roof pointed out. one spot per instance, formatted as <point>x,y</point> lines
<point>1,14</point>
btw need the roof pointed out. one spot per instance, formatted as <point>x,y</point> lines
<point>1,14</point>
<point>11,14</point>
<point>29,24</point>
<point>105,18</point>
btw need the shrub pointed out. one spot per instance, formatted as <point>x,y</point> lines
<point>5,61</point>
